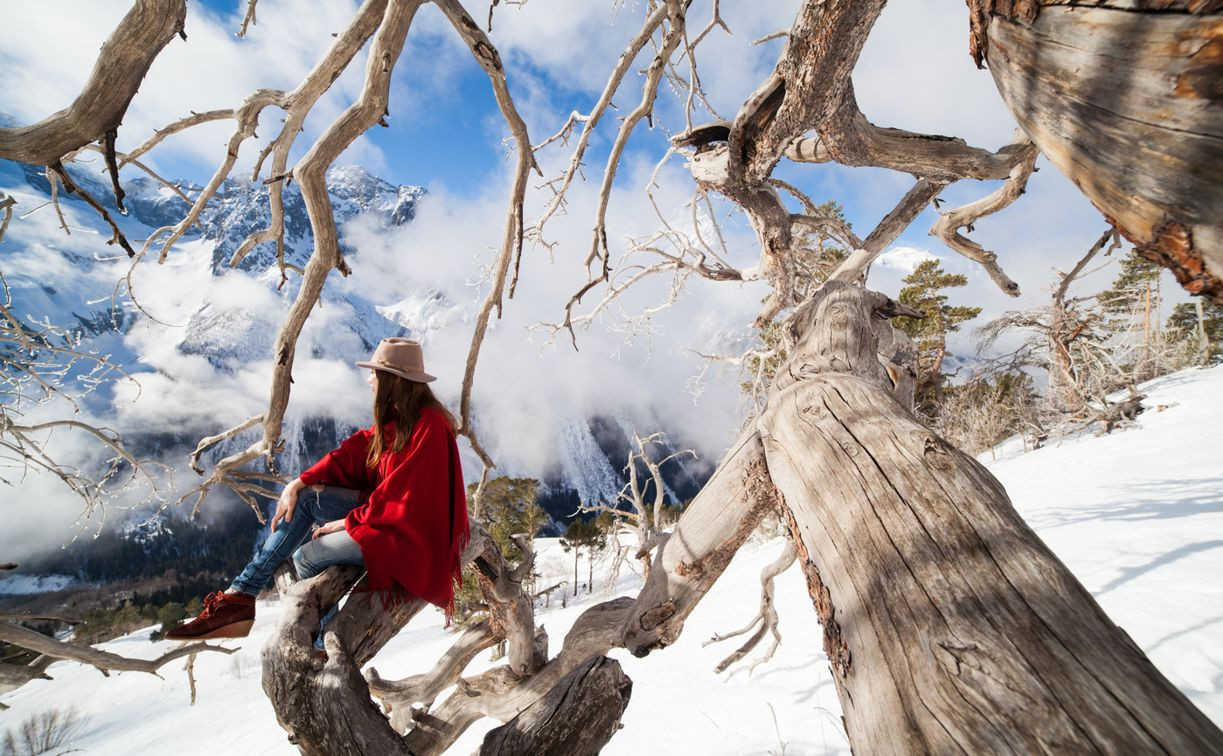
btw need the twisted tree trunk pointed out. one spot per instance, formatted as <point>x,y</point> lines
<point>577,717</point>
<point>324,704</point>
<point>949,625</point>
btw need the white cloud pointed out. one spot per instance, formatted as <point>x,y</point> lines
<point>905,258</point>
<point>915,74</point>
<point>528,390</point>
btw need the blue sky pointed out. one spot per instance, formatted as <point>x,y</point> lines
<point>445,132</point>
<point>444,125</point>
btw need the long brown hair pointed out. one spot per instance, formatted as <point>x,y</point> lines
<point>400,401</point>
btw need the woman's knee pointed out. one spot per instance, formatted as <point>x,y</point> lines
<point>307,503</point>
<point>303,565</point>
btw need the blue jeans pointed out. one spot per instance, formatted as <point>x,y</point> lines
<point>292,539</point>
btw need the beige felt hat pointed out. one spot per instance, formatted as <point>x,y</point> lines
<point>403,357</point>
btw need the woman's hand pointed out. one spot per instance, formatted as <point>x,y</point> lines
<point>287,503</point>
<point>335,526</point>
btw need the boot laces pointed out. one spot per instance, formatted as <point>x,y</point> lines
<point>212,601</point>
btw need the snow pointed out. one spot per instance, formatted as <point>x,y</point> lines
<point>25,585</point>
<point>905,259</point>
<point>1136,515</point>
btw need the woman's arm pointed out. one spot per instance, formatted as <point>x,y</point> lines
<point>335,526</point>
<point>287,504</point>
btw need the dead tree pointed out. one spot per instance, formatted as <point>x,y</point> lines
<point>644,515</point>
<point>949,625</point>
<point>1064,340</point>
<point>1068,340</point>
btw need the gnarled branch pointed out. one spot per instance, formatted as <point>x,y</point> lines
<point>123,62</point>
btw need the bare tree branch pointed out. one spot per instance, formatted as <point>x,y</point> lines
<point>70,185</point>
<point>6,204</point>
<point>948,225</point>
<point>424,688</point>
<point>766,616</point>
<point>105,661</point>
<point>249,18</point>
<point>511,246</point>
<point>122,63</point>
<point>298,105</point>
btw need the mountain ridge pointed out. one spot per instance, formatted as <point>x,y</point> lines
<point>588,464</point>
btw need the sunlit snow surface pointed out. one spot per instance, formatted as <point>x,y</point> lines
<point>1137,516</point>
<point>25,585</point>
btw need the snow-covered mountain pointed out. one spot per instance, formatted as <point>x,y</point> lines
<point>228,318</point>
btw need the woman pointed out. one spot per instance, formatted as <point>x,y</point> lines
<point>390,497</point>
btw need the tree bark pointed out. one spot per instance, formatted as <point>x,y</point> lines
<point>324,705</point>
<point>949,625</point>
<point>122,63</point>
<point>576,718</point>
<point>1125,99</point>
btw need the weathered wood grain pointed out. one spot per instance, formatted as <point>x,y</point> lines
<point>323,705</point>
<point>1129,106</point>
<point>576,718</point>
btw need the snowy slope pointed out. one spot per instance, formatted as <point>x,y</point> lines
<point>1136,515</point>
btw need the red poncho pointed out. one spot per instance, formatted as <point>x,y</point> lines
<point>412,524</point>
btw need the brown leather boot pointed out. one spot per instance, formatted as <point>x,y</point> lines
<point>225,615</point>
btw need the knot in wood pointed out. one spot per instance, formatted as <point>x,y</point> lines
<point>934,451</point>
<point>691,571</point>
<point>813,410</point>
<point>954,656</point>
<point>652,618</point>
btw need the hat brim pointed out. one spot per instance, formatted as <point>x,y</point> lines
<point>418,377</point>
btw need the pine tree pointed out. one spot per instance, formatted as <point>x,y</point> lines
<point>583,534</point>
<point>924,292</point>
<point>1129,291</point>
<point>1131,308</point>
<point>170,614</point>
<point>1184,327</point>
<point>509,506</point>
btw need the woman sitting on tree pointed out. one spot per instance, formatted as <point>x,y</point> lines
<point>390,498</point>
